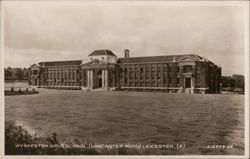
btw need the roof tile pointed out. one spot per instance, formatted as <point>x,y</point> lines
<point>59,63</point>
<point>167,58</point>
<point>102,52</point>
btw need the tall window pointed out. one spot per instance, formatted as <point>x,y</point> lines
<point>125,72</point>
<point>187,69</point>
<point>164,80</point>
<point>158,74</point>
<point>34,72</point>
<point>147,74</point>
<point>169,69</point>
<point>141,72</point>
<point>178,69</point>
<point>178,81</point>
<point>169,80</point>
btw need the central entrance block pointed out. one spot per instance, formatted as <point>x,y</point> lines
<point>100,70</point>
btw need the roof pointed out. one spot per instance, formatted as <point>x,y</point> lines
<point>58,63</point>
<point>102,52</point>
<point>34,65</point>
<point>168,58</point>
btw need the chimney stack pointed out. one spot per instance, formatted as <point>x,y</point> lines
<point>126,53</point>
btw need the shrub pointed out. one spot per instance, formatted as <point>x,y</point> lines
<point>17,135</point>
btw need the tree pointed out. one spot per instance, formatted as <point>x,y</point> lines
<point>239,81</point>
<point>233,82</point>
<point>227,81</point>
<point>16,73</point>
<point>19,73</point>
<point>25,73</point>
<point>8,72</point>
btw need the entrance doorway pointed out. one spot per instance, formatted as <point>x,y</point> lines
<point>188,82</point>
<point>99,82</point>
<point>99,79</point>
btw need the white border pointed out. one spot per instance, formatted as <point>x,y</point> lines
<point>246,71</point>
<point>245,6</point>
<point>1,79</point>
<point>121,2</point>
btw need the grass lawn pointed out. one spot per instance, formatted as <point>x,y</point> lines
<point>135,117</point>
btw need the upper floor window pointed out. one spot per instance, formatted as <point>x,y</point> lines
<point>34,72</point>
<point>178,81</point>
<point>187,69</point>
<point>169,69</point>
<point>178,69</point>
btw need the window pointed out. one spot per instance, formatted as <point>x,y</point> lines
<point>187,69</point>
<point>34,72</point>
<point>141,69</point>
<point>178,69</point>
<point>152,75</point>
<point>125,81</point>
<point>147,74</point>
<point>136,75</point>
<point>141,72</point>
<point>169,69</point>
<point>125,70</point>
<point>178,81</point>
<point>131,75</point>
<point>165,80</point>
<point>158,75</point>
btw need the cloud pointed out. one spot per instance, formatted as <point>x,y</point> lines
<point>71,32</point>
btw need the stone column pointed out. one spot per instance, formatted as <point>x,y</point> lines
<point>88,79</point>
<point>128,74</point>
<point>123,76</point>
<point>103,80</point>
<point>193,83</point>
<point>144,75</point>
<point>91,79</point>
<point>133,76</point>
<point>156,74</point>
<point>106,80</point>
<point>150,74</point>
<point>113,79</point>
<point>181,76</point>
<point>162,75</point>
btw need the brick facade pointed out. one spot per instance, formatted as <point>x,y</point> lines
<point>103,70</point>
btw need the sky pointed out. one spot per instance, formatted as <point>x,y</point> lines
<point>53,32</point>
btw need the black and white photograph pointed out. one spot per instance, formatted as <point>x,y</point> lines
<point>134,78</point>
